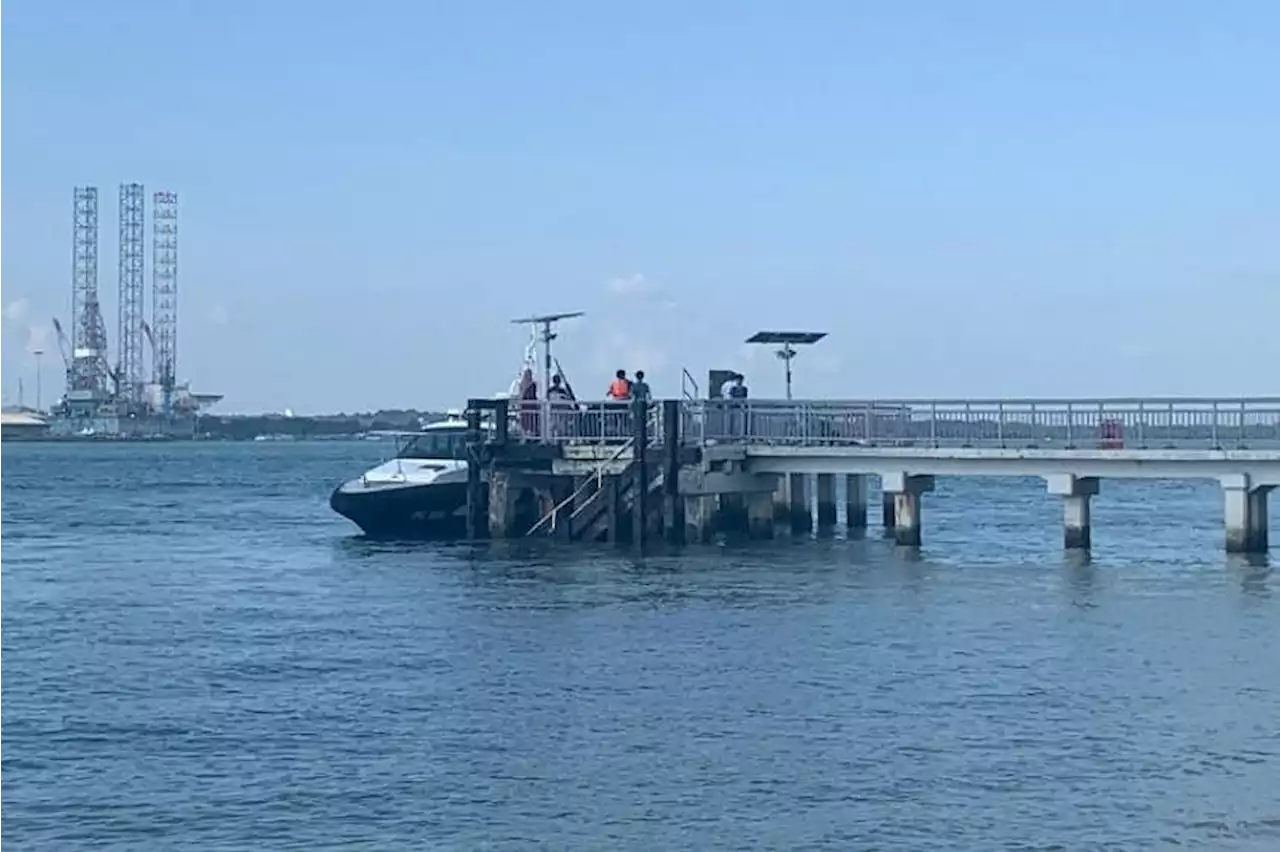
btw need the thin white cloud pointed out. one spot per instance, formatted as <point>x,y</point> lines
<point>39,336</point>
<point>17,310</point>
<point>218,314</point>
<point>621,351</point>
<point>631,285</point>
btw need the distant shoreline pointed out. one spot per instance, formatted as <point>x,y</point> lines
<point>257,427</point>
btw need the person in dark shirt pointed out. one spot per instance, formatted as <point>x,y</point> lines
<point>738,390</point>
<point>640,388</point>
<point>738,407</point>
<point>529,421</point>
<point>558,391</point>
<point>563,415</point>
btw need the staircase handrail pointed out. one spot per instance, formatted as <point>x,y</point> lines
<point>597,475</point>
<point>686,381</point>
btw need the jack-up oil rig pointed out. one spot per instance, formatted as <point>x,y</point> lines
<point>116,400</point>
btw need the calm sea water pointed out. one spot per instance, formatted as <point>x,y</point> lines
<point>197,654</point>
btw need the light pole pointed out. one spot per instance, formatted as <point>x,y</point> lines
<point>39,377</point>
<point>789,340</point>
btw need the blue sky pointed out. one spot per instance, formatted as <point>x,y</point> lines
<point>982,198</point>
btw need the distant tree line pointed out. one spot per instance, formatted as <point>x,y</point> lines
<point>246,427</point>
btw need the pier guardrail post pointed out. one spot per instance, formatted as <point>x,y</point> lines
<point>673,506</point>
<point>640,507</point>
<point>477,511</point>
<point>501,422</point>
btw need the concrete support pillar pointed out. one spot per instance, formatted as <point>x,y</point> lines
<point>855,502</point>
<point>699,512</point>
<point>731,516</point>
<point>801,517</point>
<point>886,509</point>
<point>672,444</point>
<point>906,489</point>
<point>906,515</point>
<point>501,504</point>
<point>826,499</point>
<point>614,506</point>
<point>760,514</point>
<point>673,518</point>
<point>1075,491</point>
<point>782,502</point>
<point>1077,526</point>
<point>562,489</point>
<point>1245,514</point>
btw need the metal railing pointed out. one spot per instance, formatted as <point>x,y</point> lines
<point>688,386</point>
<point>990,423</point>
<point>1157,423</point>
<point>602,423</point>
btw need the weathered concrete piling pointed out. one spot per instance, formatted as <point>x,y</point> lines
<point>855,503</point>
<point>1075,491</point>
<point>801,514</point>
<point>1245,514</point>
<point>906,490</point>
<point>686,470</point>
<point>826,502</point>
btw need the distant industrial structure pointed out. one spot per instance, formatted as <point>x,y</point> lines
<point>117,400</point>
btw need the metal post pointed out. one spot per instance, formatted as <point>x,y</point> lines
<point>547,337</point>
<point>477,512</point>
<point>787,354</point>
<point>39,377</point>
<point>640,506</point>
<point>501,421</point>
<point>673,508</point>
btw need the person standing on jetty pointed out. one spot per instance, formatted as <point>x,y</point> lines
<point>559,390</point>
<point>620,387</point>
<point>737,396</point>
<point>640,388</point>
<point>564,416</point>
<point>529,420</point>
<point>619,393</point>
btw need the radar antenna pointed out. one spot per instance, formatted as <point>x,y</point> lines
<point>542,328</point>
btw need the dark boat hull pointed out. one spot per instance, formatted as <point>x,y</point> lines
<point>434,510</point>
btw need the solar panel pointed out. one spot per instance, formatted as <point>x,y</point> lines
<point>795,337</point>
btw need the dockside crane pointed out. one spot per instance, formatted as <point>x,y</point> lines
<point>64,348</point>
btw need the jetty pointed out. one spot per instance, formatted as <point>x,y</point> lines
<point>682,470</point>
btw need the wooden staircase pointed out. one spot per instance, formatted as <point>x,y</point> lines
<point>603,508</point>
<point>613,499</point>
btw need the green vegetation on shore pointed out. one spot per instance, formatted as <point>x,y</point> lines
<point>247,427</point>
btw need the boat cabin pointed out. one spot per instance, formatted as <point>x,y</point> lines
<point>446,440</point>
<point>448,443</point>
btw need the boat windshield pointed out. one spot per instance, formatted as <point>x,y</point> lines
<point>437,444</point>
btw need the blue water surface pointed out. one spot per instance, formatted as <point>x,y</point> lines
<point>198,654</point>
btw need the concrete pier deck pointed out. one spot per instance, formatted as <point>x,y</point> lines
<point>722,461</point>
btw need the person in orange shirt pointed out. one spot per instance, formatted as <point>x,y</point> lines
<point>615,423</point>
<point>620,387</point>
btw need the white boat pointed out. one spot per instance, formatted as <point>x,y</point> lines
<point>422,491</point>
